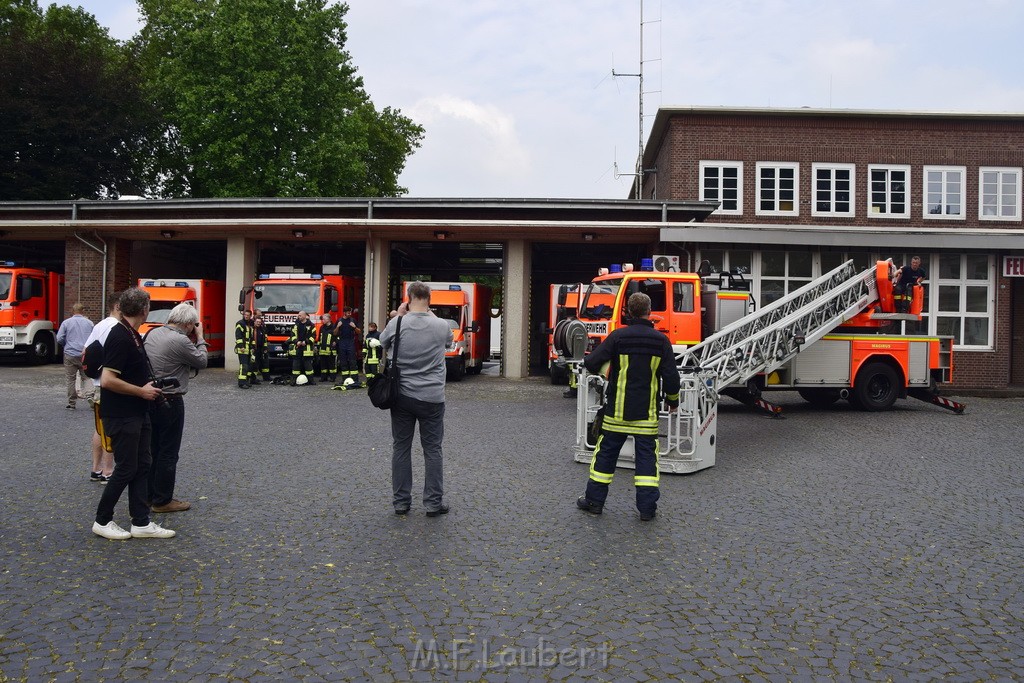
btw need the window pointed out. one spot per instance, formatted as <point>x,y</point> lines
<point>999,194</point>
<point>889,191</point>
<point>778,189</point>
<point>965,295</point>
<point>832,191</point>
<point>722,181</point>
<point>783,272</point>
<point>682,297</point>
<point>944,192</point>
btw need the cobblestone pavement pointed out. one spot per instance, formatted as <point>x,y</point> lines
<point>832,544</point>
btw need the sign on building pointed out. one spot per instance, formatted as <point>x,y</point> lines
<point>1013,266</point>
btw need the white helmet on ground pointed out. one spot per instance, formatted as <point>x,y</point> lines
<point>301,379</point>
<point>349,381</point>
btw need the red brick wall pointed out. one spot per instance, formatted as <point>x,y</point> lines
<point>860,140</point>
<point>83,274</point>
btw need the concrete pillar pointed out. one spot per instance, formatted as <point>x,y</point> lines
<point>516,309</point>
<point>377,270</point>
<point>240,272</point>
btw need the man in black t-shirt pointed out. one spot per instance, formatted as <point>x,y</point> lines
<point>907,278</point>
<point>126,394</point>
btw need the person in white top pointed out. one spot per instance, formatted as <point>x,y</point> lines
<point>102,459</point>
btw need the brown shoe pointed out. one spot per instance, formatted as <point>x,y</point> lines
<point>174,505</point>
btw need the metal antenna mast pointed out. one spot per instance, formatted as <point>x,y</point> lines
<point>640,153</point>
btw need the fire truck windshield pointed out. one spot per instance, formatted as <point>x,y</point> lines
<point>287,298</point>
<point>5,286</point>
<point>451,314</point>
<point>599,299</point>
<point>159,312</point>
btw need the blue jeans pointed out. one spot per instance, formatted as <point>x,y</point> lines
<point>404,416</point>
<point>131,438</point>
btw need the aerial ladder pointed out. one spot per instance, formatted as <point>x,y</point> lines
<point>726,361</point>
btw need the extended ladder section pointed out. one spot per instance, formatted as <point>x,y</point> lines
<point>766,339</point>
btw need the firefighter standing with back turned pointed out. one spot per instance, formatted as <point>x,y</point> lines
<point>348,366</point>
<point>637,356</point>
<point>302,347</point>
<point>243,347</point>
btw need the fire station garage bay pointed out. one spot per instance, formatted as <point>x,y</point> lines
<point>518,248</point>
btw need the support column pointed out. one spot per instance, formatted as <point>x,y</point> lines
<point>516,309</point>
<point>377,270</point>
<point>240,272</point>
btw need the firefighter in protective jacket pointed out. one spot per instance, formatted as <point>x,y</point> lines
<point>302,348</point>
<point>243,347</point>
<point>637,356</point>
<point>372,352</point>
<point>327,354</point>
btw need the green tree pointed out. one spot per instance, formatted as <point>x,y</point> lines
<point>71,112</point>
<point>260,99</point>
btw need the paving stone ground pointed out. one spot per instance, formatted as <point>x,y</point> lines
<point>831,544</point>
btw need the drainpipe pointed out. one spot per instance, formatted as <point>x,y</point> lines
<point>103,251</point>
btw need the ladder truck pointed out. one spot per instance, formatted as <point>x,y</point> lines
<point>824,340</point>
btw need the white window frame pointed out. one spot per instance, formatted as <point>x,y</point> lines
<point>738,165</point>
<point>925,191</point>
<point>832,179</point>
<point>778,165</point>
<point>999,193</point>
<point>906,191</point>
<point>963,283</point>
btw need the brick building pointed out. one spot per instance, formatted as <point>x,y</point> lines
<point>802,190</point>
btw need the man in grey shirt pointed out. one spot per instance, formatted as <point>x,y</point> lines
<point>72,335</point>
<point>421,363</point>
<point>174,350</point>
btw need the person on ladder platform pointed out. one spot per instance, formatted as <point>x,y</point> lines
<point>260,357</point>
<point>348,366</point>
<point>243,347</point>
<point>907,278</point>
<point>326,352</point>
<point>637,355</point>
<point>372,352</point>
<point>301,347</point>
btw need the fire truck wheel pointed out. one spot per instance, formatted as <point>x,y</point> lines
<point>42,349</point>
<point>876,387</point>
<point>458,370</point>
<point>819,398</point>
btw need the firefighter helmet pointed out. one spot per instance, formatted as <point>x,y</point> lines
<point>301,379</point>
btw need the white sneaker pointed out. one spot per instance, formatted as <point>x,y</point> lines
<point>151,530</point>
<point>110,530</point>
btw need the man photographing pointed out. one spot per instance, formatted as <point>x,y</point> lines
<point>126,393</point>
<point>174,350</point>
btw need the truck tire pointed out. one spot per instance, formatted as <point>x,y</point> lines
<point>457,370</point>
<point>876,388</point>
<point>41,351</point>
<point>819,397</point>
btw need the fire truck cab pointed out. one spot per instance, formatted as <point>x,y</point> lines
<point>280,297</point>
<point>31,304</point>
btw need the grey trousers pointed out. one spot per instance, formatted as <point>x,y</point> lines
<point>404,417</point>
<point>74,374</point>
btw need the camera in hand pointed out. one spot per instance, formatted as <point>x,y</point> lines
<point>166,382</point>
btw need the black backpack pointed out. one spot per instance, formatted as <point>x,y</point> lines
<point>92,360</point>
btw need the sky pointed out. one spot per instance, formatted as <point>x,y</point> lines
<point>519,99</point>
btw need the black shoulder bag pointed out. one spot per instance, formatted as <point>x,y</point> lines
<point>383,388</point>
